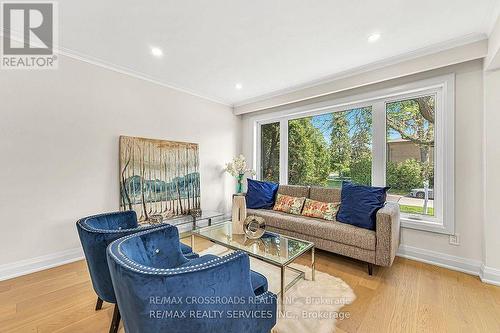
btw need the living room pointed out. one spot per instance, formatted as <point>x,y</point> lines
<point>250,166</point>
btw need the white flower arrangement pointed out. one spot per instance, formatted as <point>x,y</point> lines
<point>238,167</point>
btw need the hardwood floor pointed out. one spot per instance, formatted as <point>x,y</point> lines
<point>408,297</point>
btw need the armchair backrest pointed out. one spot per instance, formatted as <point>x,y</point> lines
<point>159,249</point>
<point>179,298</point>
<point>96,233</point>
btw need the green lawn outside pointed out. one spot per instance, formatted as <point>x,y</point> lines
<point>333,183</point>
<point>415,209</point>
<point>398,192</point>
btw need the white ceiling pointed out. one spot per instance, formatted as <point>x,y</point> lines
<point>266,45</point>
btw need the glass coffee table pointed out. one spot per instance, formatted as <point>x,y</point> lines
<point>273,248</point>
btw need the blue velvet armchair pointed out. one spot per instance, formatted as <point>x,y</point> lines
<point>159,290</point>
<point>96,233</point>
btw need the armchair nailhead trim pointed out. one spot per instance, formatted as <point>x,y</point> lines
<point>126,262</point>
<point>85,226</point>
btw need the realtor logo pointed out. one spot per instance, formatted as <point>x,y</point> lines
<point>29,35</point>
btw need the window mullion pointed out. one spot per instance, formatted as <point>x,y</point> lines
<point>378,143</point>
<point>284,151</point>
<point>257,162</point>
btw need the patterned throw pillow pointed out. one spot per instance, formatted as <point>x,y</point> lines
<point>321,210</point>
<point>288,204</point>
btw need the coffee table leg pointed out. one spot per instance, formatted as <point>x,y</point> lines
<point>283,288</point>
<point>192,242</point>
<point>313,265</point>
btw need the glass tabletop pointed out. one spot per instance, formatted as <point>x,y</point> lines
<point>185,219</point>
<point>209,214</point>
<point>271,247</point>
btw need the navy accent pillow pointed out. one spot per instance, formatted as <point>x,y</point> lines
<point>359,204</point>
<point>260,194</point>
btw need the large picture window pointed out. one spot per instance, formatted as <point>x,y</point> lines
<point>326,149</point>
<point>410,154</point>
<point>401,137</point>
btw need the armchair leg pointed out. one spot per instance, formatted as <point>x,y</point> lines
<point>98,305</point>
<point>370,269</point>
<point>115,322</point>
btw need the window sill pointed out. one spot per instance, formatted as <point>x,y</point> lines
<point>429,226</point>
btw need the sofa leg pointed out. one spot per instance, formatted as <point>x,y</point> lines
<point>98,305</point>
<point>115,322</point>
<point>370,269</point>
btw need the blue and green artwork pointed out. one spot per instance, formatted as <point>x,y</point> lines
<point>159,177</point>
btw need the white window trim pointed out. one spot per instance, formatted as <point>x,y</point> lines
<point>443,87</point>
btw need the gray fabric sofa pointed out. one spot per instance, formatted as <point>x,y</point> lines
<point>374,247</point>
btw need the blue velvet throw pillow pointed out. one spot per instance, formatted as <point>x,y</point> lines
<point>359,204</point>
<point>260,194</point>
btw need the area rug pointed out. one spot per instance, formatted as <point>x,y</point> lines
<point>311,306</point>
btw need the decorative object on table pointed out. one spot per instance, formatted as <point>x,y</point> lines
<point>158,177</point>
<point>238,168</point>
<point>359,204</point>
<point>155,219</point>
<point>239,214</point>
<point>288,204</point>
<point>195,212</point>
<point>254,226</point>
<point>261,194</point>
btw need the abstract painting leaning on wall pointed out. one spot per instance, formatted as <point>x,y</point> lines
<point>158,177</point>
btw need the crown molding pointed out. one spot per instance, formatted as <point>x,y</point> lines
<point>59,50</point>
<point>136,74</point>
<point>475,44</point>
<point>241,107</point>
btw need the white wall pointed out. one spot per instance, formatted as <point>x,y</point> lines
<point>490,270</point>
<point>59,134</point>
<point>492,170</point>
<point>468,158</point>
<point>492,60</point>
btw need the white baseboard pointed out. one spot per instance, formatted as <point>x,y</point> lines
<point>23,267</point>
<point>474,267</point>
<point>490,275</point>
<point>460,264</point>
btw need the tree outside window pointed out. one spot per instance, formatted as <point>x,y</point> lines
<point>270,152</point>
<point>326,149</point>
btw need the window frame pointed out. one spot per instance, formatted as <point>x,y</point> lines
<point>443,87</point>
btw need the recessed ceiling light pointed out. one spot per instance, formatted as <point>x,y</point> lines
<point>374,37</point>
<point>156,51</point>
<point>238,86</point>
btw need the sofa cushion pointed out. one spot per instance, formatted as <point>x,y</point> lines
<point>294,190</point>
<point>260,194</point>
<point>320,210</point>
<point>324,194</point>
<point>359,204</point>
<point>329,230</point>
<point>288,204</point>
